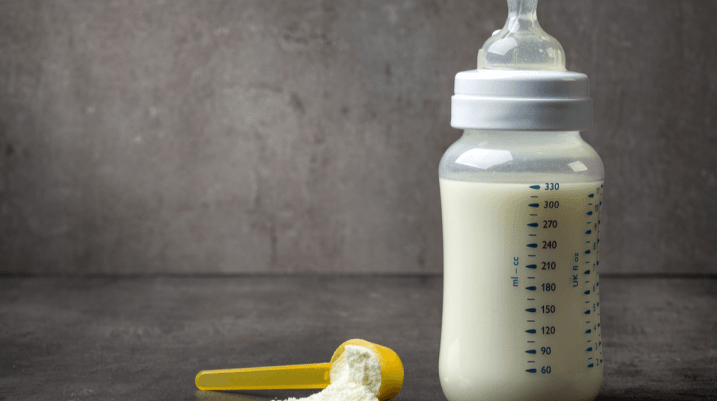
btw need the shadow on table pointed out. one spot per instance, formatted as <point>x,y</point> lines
<point>656,395</point>
<point>222,396</point>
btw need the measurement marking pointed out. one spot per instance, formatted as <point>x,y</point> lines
<point>531,370</point>
<point>589,340</point>
<point>533,299</point>
<point>586,252</point>
<point>589,349</point>
<point>589,196</point>
<point>530,351</point>
<point>590,222</point>
<point>587,312</point>
<point>531,266</point>
<point>530,310</point>
<point>533,235</point>
<point>587,282</point>
<point>587,271</point>
<point>538,204</point>
<point>531,342</point>
<point>589,213</point>
<point>531,321</point>
<point>587,292</point>
<point>535,196</point>
<point>531,278</point>
<point>531,288</point>
<point>588,203</point>
<point>531,256</point>
<point>531,331</point>
<point>590,366</point>
<point>587,302</point>
<point>588,331</point>
<point>587,242</point>
<point>534,187</point>
<point>533,214</point>
<point>531,361</point>
<point>587,321</point>
<point>589,232</point>
<point>532,245</point>
<point>533,225</point>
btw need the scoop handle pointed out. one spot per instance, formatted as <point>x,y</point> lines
<point>315,375</point>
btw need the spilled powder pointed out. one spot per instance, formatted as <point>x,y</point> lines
<point>355,376</point>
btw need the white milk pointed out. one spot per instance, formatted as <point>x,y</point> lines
<point>486,347</point>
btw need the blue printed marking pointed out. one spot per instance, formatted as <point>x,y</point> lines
<point>532,245</point>
<point>600,343</point>
<point>587,292</point>
<point>531,266</point>
<point>531,288</point>
<point>531,331</point>
<point>588,331</point>
<point>587,271</point>
<point>590,366</point>
<point>588,232</point>
<point>586,252</point>
<point>533,225</point>
<point>598,324</point>
<point>531,370</point>
<point>589,349</point>
<point>530,310</point>
<point>535,187</point>
<point>589,196</point>
<point>534,204</point>
<point>530,351</point>
<point>590,213</point>
<point>587,312</point>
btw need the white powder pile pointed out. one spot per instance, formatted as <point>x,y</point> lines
<point>355,376</point>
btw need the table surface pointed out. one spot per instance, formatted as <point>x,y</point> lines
<point>144,338</point>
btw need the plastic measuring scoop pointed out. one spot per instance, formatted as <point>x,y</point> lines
<point>310,376</point>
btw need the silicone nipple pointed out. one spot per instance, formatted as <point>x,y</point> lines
<point>522,44</point>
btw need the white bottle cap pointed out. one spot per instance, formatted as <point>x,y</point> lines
<point>521,82</point>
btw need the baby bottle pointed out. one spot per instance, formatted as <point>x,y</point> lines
<point>521,199</point>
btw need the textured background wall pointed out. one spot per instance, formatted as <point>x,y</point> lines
<point>294,136</point>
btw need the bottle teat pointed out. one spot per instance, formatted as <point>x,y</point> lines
<point>522,44</point>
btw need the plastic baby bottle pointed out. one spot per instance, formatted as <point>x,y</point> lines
<point>521,199</point>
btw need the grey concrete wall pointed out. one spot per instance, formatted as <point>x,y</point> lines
<point>296,136</point>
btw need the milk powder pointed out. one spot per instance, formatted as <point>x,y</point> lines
<point>355,376</point>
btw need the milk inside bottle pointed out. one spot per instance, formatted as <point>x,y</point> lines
<point>521,197</point>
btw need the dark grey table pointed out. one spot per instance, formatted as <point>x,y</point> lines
<point>144,338</point>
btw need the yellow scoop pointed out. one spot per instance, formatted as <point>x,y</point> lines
<point>315,375</point>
